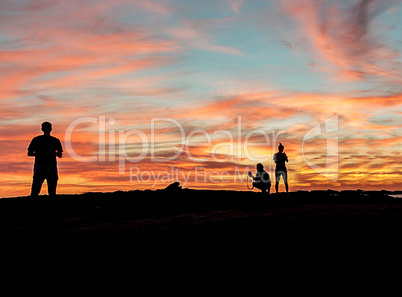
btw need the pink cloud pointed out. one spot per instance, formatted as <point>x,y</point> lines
<point>80,44</point>
<point>344,37</point>
<point>87,50</point>
<point>197,34</point>
<point>235,4</point>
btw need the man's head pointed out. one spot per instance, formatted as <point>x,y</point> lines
<point>260,167</point>
<point>46,127</point>
<point>280,147</point>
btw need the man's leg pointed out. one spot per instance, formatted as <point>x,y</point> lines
<point>36,185</point>
<point>52,185</point>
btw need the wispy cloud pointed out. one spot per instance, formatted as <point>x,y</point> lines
<point>345,36</point>
<point>235,4</point>
<point>204,66</point>
<point>197,34</point>
<point>65,46</point>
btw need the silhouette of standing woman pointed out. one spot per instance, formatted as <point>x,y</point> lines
<point>45,148</point>
<point>280,158</point>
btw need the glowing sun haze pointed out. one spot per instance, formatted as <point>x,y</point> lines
<point>143,93</point>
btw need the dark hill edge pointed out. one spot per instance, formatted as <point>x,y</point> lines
<point>202,215</point>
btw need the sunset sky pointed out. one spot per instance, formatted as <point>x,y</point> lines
<point>146,92</point>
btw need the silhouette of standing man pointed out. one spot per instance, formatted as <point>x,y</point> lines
<point>45,148</point>
<point>280,158</point>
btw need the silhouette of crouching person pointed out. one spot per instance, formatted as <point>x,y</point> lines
<point>45,149</point>
<point>262,179</point>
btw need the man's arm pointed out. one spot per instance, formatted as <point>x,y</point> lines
<point>31,148</point>
<point>59,151</point>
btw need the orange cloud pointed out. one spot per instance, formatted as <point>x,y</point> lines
<point>88,64</point>
<point>78,47</point>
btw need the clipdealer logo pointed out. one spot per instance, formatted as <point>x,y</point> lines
<point>331,168</point>
<point>118,145</point>
<point>236,143</point>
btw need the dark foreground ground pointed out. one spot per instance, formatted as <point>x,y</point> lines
<point>169,240</point>
<point>203,216</point>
